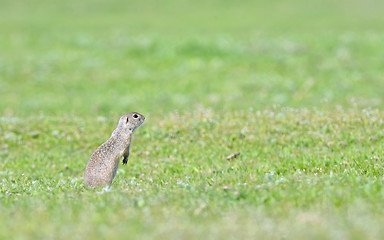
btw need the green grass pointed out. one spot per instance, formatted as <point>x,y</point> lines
<point>60,58</point>
<point>299,172</point>
<point>296,88</point>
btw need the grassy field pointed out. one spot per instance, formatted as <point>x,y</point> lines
<point>296,87</point>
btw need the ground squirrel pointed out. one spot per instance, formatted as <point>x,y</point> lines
<point>103,163</point>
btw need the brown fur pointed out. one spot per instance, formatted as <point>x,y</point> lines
<point>103,163</point>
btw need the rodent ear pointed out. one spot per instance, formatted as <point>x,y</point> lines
<point>127,120</point>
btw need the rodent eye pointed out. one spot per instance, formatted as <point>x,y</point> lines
<point>135,116</point>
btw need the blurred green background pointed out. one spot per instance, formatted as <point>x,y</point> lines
<point>297,87</point>
<point>109,57</point>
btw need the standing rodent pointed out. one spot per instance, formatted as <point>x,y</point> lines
<point>102,166</point>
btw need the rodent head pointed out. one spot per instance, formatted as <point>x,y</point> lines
<point>129,122</point>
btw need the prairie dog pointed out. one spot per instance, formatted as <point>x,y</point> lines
<point>103,163</point>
